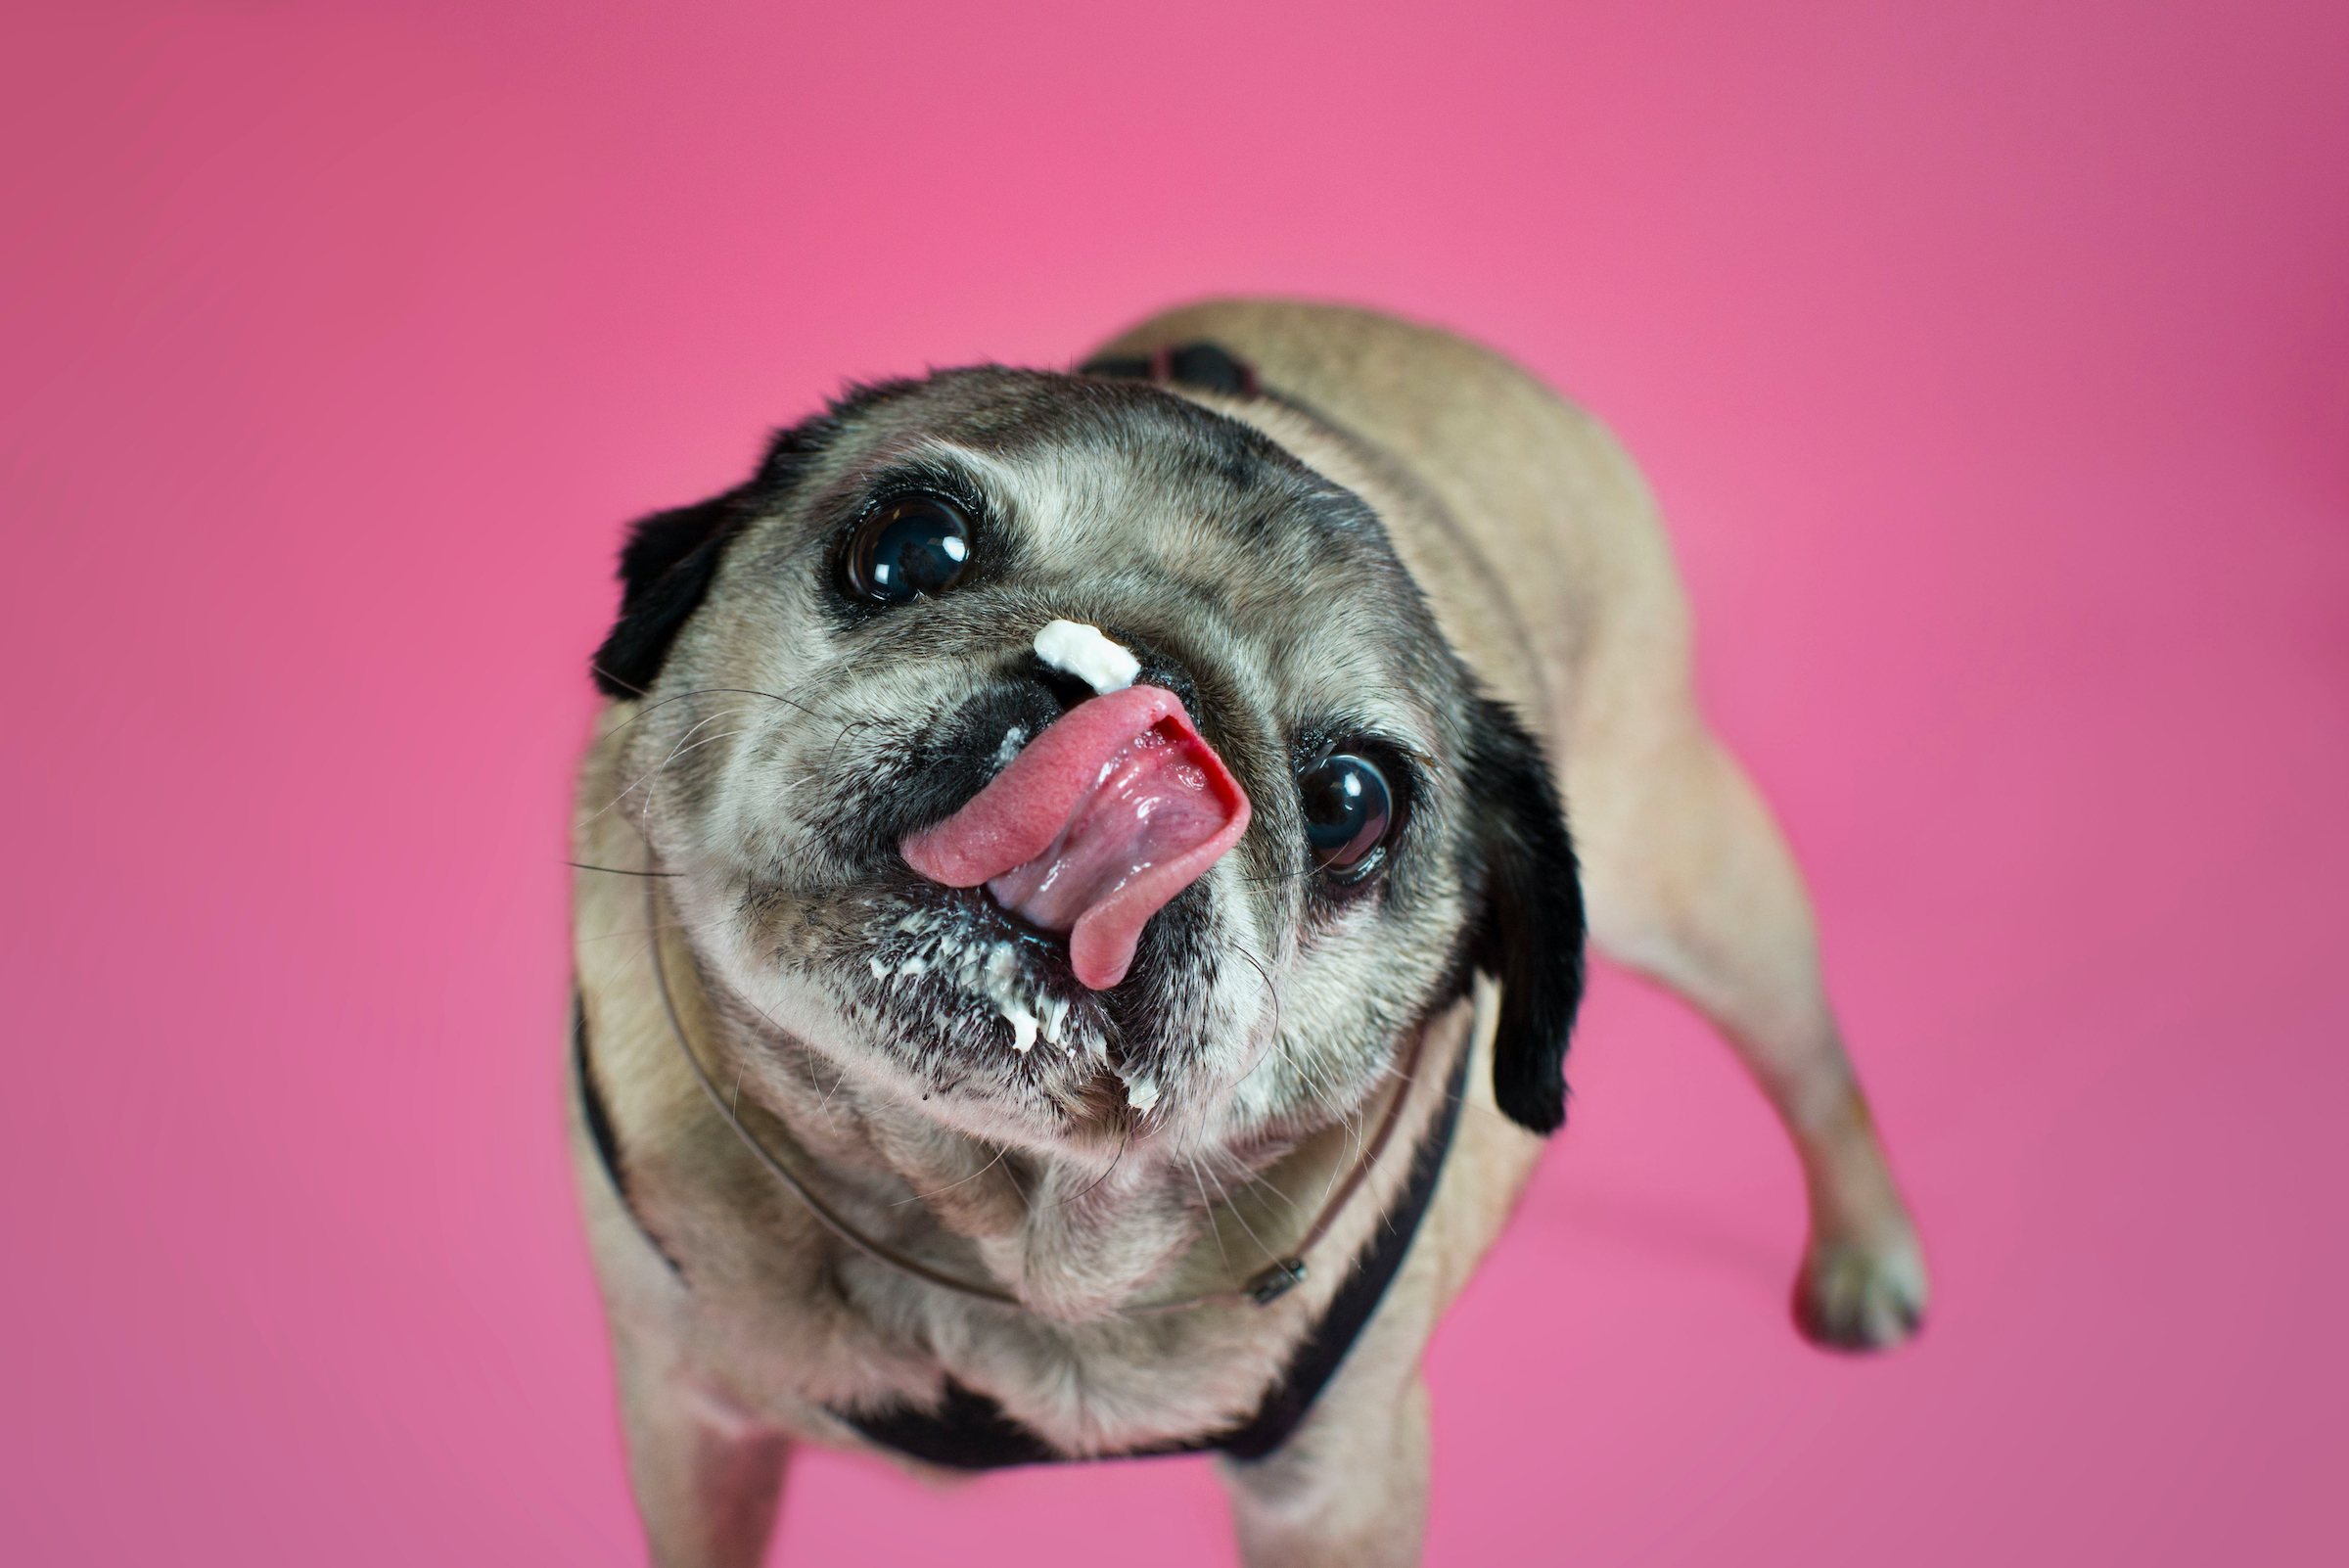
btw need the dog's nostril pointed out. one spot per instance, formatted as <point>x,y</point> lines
<point>1159,668</point>
<point>1067,690</point>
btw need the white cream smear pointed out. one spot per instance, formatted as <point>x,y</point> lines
<point>988,971</point>
<point>1076,649</point>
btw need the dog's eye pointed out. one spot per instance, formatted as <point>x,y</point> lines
<point>1347,809</point>
<point>912,546</point>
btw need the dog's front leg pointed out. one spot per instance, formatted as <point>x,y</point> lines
<point>1349,1489</point>
<point>707,1473</point>
<point>1690,882</point>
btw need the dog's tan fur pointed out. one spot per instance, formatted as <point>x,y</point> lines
<point>1537,546</point>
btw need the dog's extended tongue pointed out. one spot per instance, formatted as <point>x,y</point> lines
<point>1115,808</point>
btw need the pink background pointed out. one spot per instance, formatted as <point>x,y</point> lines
<point>1991,362</point>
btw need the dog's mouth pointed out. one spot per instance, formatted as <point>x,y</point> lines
<point>1113,809</point>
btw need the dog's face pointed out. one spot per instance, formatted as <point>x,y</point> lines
<point>841,655</point>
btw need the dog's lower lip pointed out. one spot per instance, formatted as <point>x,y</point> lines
<point>1045,954</point>
<point>1028,929</point>
<point>982,903</point>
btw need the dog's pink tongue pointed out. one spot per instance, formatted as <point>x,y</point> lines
<point>1112,811</point>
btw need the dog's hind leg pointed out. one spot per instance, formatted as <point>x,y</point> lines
<point>1689,881</point>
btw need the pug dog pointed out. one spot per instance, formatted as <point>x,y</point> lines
<point>1078,928</point>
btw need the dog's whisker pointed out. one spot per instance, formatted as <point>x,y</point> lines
<point>841,1076</point>
<point>1309,1073</point>
<point>846,730</point>
<point>655,771</point>
<point>1273,879</point>
<point>1125,1136</point>
<point>645,817</point>
<point>1264,1182</point>
<point>638,930</point>
<point>925,1197</point>
<point>686,743</point>
<point>1358,1128</point>
<point>675,757</point>
<point>722,691</point>
<point>1245,1227</point>
<point>1208,1205</point>
<point>1270,989</point>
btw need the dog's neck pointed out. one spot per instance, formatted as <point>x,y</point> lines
<point>1064,1237</point>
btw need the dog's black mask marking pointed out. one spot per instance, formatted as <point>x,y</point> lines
<point>1530,932</point>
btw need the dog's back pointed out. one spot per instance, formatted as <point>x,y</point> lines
<point>1536,512</point>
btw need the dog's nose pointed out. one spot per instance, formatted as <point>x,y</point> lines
<point>1067,690</point>
<point>1150,665</point>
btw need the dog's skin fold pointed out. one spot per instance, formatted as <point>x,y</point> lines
<point>1345,537</point>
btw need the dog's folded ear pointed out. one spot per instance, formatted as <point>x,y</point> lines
<point>672,557</point>
<point>1530,930</point>
<point>664,571</point>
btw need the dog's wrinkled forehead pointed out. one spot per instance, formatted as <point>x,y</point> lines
<point>1101,492</point>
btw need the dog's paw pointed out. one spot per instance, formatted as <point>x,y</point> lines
<point>1862,1296</point>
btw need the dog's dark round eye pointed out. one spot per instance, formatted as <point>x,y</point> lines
<point>917,545</point>
<point>1348,810</point>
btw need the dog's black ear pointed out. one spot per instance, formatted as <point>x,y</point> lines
<point>665,570</point>
<point>671,558</point>
<point>1530,930</point>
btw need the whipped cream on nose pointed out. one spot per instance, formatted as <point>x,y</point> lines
<point>1076,649</point>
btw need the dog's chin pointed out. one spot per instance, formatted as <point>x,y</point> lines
<point>987,1012</point>
<point>956,951</point>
